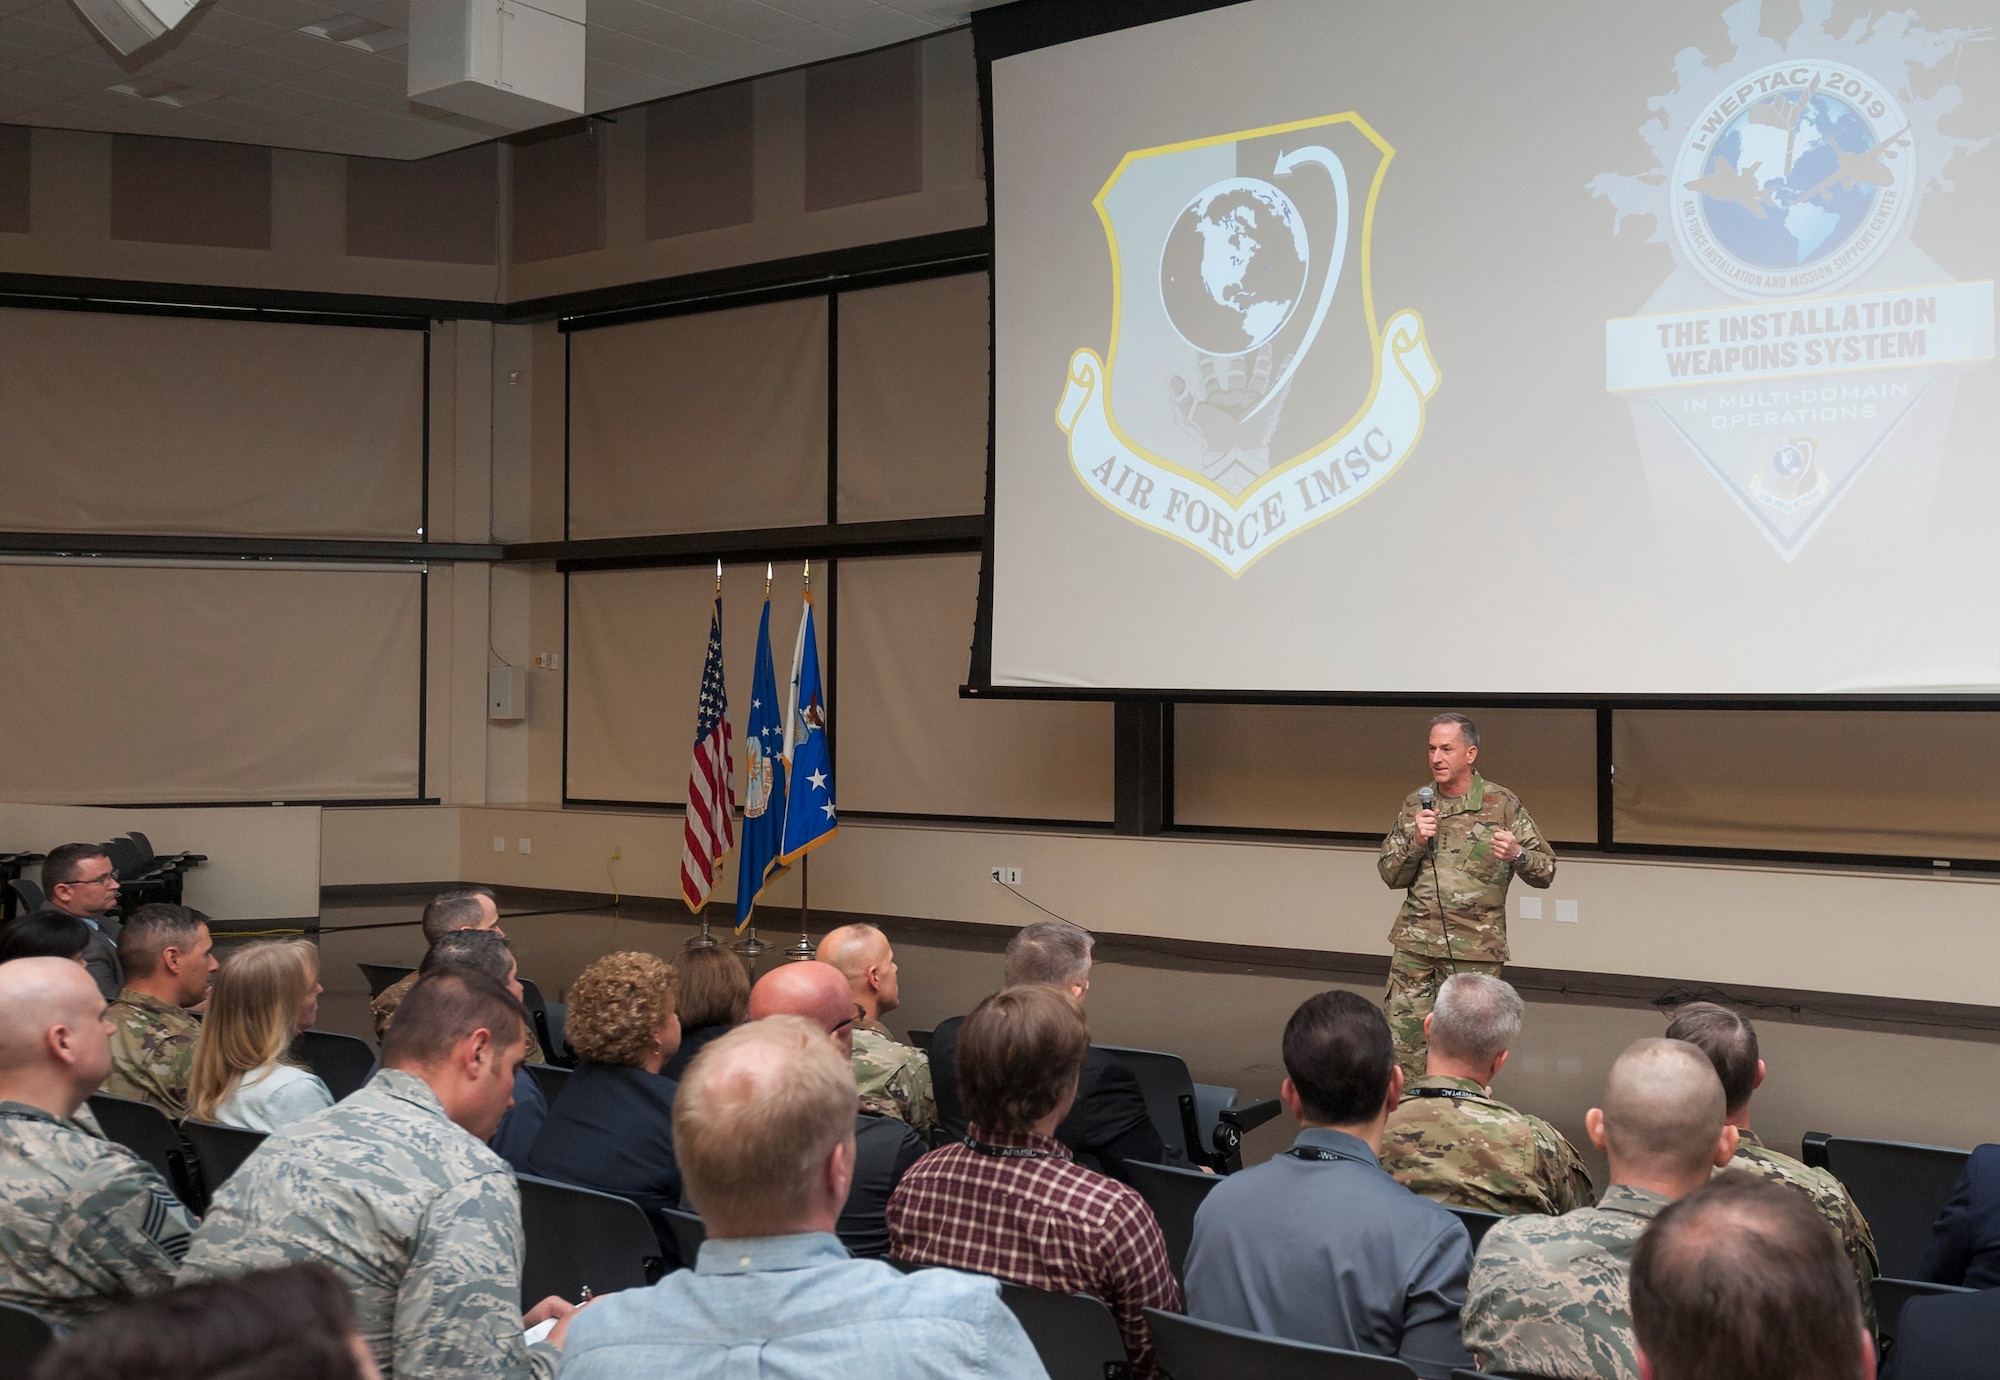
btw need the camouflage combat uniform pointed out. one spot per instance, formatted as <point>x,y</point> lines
<point>419,1220</point>
<point>383,1010</point>
<point>1464,894</point>
<point>84,1222</point>
<point>152,1051</point>
<point>1549,1296</point>
<point>895,1078</point>
<point>1457,1144</point>
<point>1829,1198</point>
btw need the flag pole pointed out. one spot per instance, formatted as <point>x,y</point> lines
<point>703,939</point>
<point>802,952</point>
<point>750,946</point>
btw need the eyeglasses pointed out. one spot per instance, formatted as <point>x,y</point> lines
<point>108,879</point>
<point>860,1014</point>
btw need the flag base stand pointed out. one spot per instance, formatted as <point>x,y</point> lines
<point>801,952</point>
<point>751,945</point>
<point>704,940</point>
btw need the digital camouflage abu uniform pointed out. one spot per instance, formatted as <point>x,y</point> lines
<point>1459,888</point>
<point>152,1051</point>
<point>419,1220</point>
<point>84,1222</point>
<point>1550,1296</point>
<point>1829,1198</point>
<point>895,1078</point>
<point>1457,1144</point>
<point>382,1010</point>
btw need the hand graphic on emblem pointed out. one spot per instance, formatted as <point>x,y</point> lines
<point>1236,446</point>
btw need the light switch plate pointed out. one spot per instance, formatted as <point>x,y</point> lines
<point>1566,912</point>
<point>1531,907</point>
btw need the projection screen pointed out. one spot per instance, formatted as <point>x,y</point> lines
<point>1540,349</point>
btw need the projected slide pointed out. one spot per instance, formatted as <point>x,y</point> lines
<point>1552,348</point>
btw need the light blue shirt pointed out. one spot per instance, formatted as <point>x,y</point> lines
<point>801,1308</point>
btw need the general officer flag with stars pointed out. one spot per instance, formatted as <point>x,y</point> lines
<point>809,816</point>
<point>764,783</point>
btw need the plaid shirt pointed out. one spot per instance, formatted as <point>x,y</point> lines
<point>1045,1222</point>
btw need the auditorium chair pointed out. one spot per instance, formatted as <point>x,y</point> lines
<point>1194,1350</point>
<point>12,865</point>
<point>550,1078</point>
<point>180,862</point>
<point>920,1039</point>
<point>28,893</point>
<point>23,1338</point>
<point>1074,1334</point>
<point>1477,1223</point>
<point>689,1232</point>
<point>342,1062</point>
<point>380,977</point>
<point>1200,1117</point>
<point>144,1129</point>
<point>577,1237</point>
<point>1174,1195</point>
<point>549,1021</point>
<point>1899,1188</point>
<point>219,1151</point>
<point>1890,1296</point>
<point>138,884</point>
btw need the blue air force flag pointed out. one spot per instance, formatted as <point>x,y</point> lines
<point>809,817</point>
<point>764,779</point>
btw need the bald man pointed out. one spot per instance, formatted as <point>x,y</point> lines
<point>883,1146</point>
<point>84,1223</point>
<point>895,1078</point>
<point>1548,1295</point>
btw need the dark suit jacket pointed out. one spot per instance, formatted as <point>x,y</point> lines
<point>613,1130</point>
<point>523,1122</point>
<point>883,1148</point>
<point>1107,1126</point>
<point>1948,1338</point>
<point>1965,1243</point>
<point>692,1043</point>
<point>100,955</point>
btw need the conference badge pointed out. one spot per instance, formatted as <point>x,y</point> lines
<point>1250,391</point>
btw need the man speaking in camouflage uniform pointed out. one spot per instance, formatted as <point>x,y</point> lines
<point>1548,1295</point>
<point>895,1078</point>
<point>84,1223</point>
<point>1451,1140</point>
<point>1454,848</point>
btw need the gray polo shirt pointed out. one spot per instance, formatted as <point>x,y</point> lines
<point>1333,1251</point>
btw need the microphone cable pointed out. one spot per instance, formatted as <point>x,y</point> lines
<point>1437,885</point>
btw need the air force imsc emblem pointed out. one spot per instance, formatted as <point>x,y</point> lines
<point>1249,391</point>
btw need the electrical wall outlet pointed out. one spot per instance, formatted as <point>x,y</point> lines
<point>499,844</point>
<point>547,661</point>
<point>525,845</point>
<point>1006,876</point>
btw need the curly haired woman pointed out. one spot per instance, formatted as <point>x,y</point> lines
<point>613,1127</point>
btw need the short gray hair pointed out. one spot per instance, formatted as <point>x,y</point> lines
<point>1053,952</point>
<point>1466,729</point>
<point>1475,1017</point>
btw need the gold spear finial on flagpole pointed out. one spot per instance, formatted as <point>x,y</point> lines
<point>718,575</point>
<point>767,579</point>
<point>809,574</point>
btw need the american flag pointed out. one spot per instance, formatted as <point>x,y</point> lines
<point>711,793</point>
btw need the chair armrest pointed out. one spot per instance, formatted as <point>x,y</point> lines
<point>1250,1115</point>
<point>1812,1148</point>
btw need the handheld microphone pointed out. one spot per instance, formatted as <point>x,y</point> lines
<point>1425,796</point>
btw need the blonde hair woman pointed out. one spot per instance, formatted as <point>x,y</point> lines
<point>264,995</point>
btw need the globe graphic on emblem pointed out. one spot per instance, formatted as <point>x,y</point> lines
<point>1803,207</point>
<point>1234,266</point>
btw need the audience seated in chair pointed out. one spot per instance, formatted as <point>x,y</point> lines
<point>243,1072</point>
<point>294,1323</point>
<point>1109,1123</point>
<point>1548,1294</point>
<point>613,1127</point>
<point>78,879</point>
<point>1965,1241</point>
<point>1319,1244</point>
<point>1730,1042</point>
<point>488,953</point>
<point>713,999</point>
<point>1009,1200</point>
<point>84,1222</point>
<point>460,908</point>
<point>395,1190</point>
<point>884,1148</point>
<point>1947,1337</point>
<point>895,1078</point>
<point>46,934</point>
<point>1451,1140</point>
<point>169,962</point>
<point>764,1125</point>
<point>1742,1279</point>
